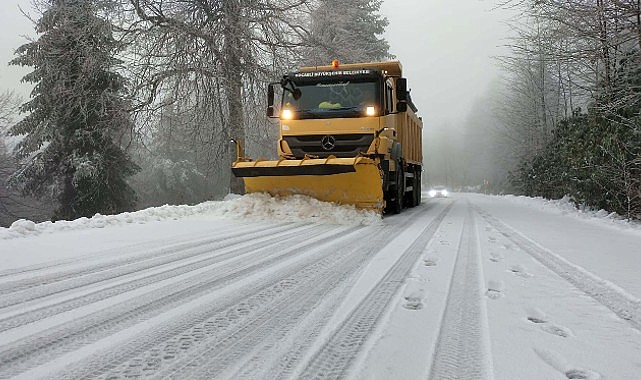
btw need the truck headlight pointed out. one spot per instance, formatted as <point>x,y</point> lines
<point>286,114</point>
<point>370,111</point>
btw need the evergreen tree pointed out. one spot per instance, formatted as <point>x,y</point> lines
<point>593,61</point>
<point>347,30</point>
<point>77,115</point>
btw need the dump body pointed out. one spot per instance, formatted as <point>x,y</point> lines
<point>348,134</point>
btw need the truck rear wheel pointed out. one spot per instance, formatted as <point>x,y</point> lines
<point>417,188</point>
<point>413,198</point>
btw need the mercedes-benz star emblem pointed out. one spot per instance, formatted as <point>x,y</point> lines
<point>328,142</point>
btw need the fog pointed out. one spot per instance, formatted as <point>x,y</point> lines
<point>448,51</point>
<point>15,30</point>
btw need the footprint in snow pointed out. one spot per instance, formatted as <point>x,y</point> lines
<point>557,330</point>
<point>414,295</point>
<point>582,374</point>
<point>559,363</point>
<point>495,289</point>
<point>495,257</point>
<point>536,315</point>
<point>413,303</point>
<point>430,261</point>
<point>519,270</point>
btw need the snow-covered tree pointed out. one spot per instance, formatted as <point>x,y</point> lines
<point>590,55</point>
<point>210,54</point>
<point>8,106</point>
<point>174,162</point>
<point>12,205</point>
<point>77,118</point>
<point>347,30</point>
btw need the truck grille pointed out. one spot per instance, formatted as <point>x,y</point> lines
<point>323,146</point>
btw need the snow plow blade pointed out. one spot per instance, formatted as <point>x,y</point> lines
<point>352,181</point>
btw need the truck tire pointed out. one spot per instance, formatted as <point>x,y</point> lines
<point>417,188</point>
<point>413,198</point>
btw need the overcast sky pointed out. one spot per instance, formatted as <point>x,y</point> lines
<point>445,47</point>
<point>14,27</point>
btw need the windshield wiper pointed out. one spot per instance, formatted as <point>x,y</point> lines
<point>344,108</point>
<point>311,112</point>
<point>331,109</point>
<point>322,113</point>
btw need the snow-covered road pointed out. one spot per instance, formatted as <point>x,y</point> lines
<point>468,287</point>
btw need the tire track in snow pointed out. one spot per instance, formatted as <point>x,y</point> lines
<point>19,291</point>
<point>261,357</point>
<point>228,331</point>
<point>276,318</point>
<point>177,269</point>
<point>333,359</point>
<point>44,346</point>
<point>268,363</point>
<point>34,271</point>
<point>220,322</point>
<point>463,351</point>
<point>622,303</point>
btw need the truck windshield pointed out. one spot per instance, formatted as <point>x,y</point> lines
<point>332,99</point>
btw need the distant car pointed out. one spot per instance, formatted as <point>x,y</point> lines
<point>438,192</point>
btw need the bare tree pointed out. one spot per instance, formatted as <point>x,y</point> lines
<point>13,206</point>
<point>211,53</point>
<point>592,50</point>
<point>536,92</point>
<point>9,103</point>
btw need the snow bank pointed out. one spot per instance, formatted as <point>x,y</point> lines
<point>258,207</point>
<point>565,206</point>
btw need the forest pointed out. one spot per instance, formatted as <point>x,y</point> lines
<point>570,113</point>
<point>563,119</point>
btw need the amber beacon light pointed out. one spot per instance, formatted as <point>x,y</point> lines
<point>335,64</point>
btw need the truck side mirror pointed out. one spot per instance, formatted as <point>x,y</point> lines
<point>401,107</point>
<point>401,89</point>
<point>270,100</point>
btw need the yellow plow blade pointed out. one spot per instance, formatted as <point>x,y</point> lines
<point>353,181</point>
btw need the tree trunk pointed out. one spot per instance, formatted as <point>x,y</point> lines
<point>603,39</point>
<point>234,83</point>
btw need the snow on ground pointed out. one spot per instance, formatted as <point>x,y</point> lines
<point>253,287</point>
<point>257,207</point>
<point>565,206</point>
<point>562,298</point>
<point>262,207</point>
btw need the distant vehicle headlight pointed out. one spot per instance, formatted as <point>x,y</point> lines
<point>432,193</point>
<point>444,192</point>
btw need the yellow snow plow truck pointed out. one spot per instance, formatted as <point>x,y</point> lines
<point>349,134</point>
